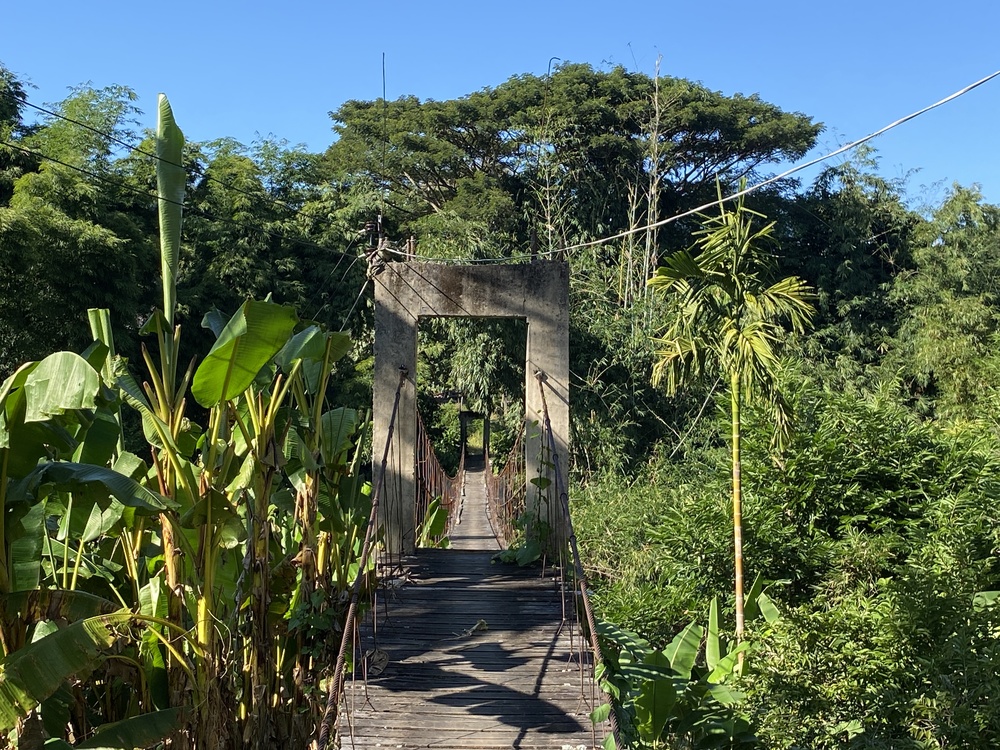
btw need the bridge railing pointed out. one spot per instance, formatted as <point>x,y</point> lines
<point>434,482</point>
<point>569,551</point>
<point>505,493</point>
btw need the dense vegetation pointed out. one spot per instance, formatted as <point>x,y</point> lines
<point>872,527</point>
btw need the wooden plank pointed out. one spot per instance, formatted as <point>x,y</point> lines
<point>515,684</point>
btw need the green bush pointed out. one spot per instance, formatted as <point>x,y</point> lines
<point>875,531</point>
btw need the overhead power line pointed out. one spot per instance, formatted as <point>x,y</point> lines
<point>197,172</point>
<point>733,196</point>
<point>187,207</point>
<point>776,178</point>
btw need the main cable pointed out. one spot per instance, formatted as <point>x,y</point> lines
<point>776,178</point>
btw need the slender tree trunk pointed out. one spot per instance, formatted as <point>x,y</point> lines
<point>734,388</point>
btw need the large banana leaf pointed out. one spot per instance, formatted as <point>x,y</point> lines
<point>139,731</point>
<point>713,642</point>
<point>62,382</point>
<point>683,650</point>
<point>34,672</point>
<point>70,477</point>
<point>337,426</point>
<point>252,337</point>
<point>54,604</point>
<point>655,703</point>
<point>31,441</point>
<point>25,533</point>
<point>14,382</point>
<point>170,182</point>
<point>100,441</point>
<point>155,430</point>
<point>309,345</point>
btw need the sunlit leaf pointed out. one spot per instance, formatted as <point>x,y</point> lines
<point>61,382</point>
<point>171,179</point>
<point>252,337</point>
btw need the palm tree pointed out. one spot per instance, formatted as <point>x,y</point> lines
<point>728,320</point>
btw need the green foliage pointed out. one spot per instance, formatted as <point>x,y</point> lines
<point>238,543</point>
<point>255,334</point>
<point>431,529</point>
<point>948,340</point>
<point>674,697</point>
<point>877,530</point>
<point>61,229</point>
<point>728,315</point>
<point>849,236</point>
<point>36,671</point>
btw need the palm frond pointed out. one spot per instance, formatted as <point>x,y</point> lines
<point>724,309</point>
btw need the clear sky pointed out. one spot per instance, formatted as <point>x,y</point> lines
<point>244,68</point>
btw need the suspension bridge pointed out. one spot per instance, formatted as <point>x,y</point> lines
<point>458,649</point>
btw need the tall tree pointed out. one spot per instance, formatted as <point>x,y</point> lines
<point>66,223</point>
<point>579,133</point>
<point>849,235</point>
<point>729,319</point>
<point>948,341</point>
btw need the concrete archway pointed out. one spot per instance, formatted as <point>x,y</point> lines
<point>406,292</point>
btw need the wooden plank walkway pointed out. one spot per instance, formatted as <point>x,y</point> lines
<point>514,684</point>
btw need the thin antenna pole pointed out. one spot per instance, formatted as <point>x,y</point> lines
<point>385,145</point>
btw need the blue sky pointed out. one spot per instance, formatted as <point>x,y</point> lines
<point>239,69</point>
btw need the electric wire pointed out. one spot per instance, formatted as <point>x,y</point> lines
<point>725,199</point>
<point>198,172</point>
<point>567,248</point>
<point>776,178</point>
<point>204,175</point>
<point>188,207</point>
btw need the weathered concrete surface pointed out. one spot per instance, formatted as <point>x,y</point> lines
<point>404,294</point>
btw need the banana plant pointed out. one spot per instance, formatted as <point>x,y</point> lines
<point>211,576</point>
<point>62,501</point>
<point>664,696</point>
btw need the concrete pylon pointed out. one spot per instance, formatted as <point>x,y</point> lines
<point>405,293</point>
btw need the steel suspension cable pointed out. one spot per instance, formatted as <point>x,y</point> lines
<point>581,576</point>
<point>505,492</point>
<point>333,697</point>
